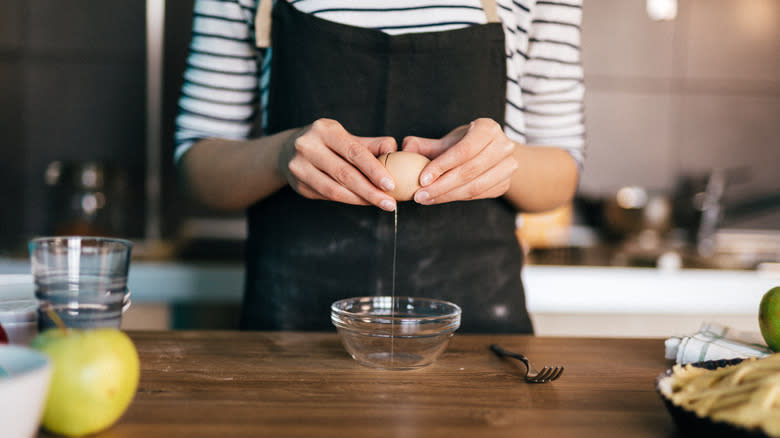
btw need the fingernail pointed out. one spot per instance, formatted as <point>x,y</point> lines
<point>422,197</point>
<point>387,183</point>
<point>387,205</point>
<point>426,179</point>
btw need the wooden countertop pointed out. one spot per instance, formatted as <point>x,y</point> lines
<point>250,384</point>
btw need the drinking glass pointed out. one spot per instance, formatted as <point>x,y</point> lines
<point>82,279</point>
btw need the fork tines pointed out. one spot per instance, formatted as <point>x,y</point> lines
<point>546,374</point>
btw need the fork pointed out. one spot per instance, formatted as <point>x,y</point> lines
<point>546,374</point>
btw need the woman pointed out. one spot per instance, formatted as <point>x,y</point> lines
<point>491,93</point>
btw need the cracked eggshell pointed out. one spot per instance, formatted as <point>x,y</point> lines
<point>405,168</point>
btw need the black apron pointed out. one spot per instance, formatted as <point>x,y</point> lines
<point>304,254</point>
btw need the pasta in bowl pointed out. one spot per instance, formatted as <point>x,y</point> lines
<point>734,398</point>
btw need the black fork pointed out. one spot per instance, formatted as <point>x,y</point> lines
<point>546,374</point>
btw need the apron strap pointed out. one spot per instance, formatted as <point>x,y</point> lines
<point>491,11</point>
<point>263,24</point>
<point>263,20</point>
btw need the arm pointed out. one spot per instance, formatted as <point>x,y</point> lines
<point>319,161</point>
<point>479,161</point>
<point>217,108</point>
<point>221,167</point>
<point>233,174</point>
<point>538,168</point>
<point>552,89</point>
<point>545,179</point>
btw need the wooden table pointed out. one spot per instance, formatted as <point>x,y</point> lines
<point>244,384</point>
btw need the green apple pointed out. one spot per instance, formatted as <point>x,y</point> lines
<point>95,378</point>
<point>769,318</point>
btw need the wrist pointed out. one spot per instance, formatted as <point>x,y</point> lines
<point>287,153</point>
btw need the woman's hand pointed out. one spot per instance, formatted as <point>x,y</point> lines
<point>324,161</point>
<point>474,161</point>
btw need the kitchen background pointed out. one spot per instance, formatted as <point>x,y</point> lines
<point>665,100</point>
<point>89,91</point>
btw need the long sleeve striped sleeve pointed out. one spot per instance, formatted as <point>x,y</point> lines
<point>552,84</point>
<point>220,92</point>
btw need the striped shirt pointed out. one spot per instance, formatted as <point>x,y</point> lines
<point>226,79</point>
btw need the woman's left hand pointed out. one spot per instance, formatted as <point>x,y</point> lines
<point>473,161</point>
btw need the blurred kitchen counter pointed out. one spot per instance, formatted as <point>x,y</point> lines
<point>563,300</point>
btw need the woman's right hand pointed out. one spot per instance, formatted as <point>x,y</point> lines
<point>324,161</point>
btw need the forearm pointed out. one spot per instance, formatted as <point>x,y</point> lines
<point>234,174</point>
<point>546,178</point>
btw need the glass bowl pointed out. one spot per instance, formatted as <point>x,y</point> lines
<point>400,333</point>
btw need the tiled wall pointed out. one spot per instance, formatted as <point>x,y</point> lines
<point>680,97</point>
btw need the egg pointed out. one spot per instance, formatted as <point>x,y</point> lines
<point>405,168</point>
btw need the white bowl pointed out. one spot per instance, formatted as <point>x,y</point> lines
<point>24,384</point>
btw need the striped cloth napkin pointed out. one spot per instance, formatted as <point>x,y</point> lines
<point>714,342</point>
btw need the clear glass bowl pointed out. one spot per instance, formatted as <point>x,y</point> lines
<point>396,334</point>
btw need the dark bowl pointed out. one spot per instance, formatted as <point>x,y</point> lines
<point>693,425</point>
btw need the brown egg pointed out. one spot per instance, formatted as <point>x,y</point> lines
<point>405,168</point>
